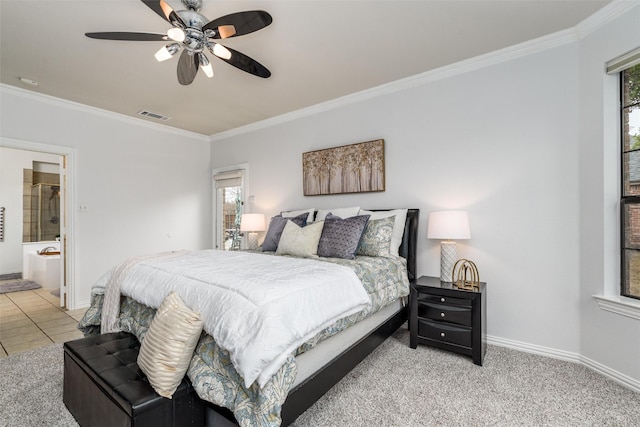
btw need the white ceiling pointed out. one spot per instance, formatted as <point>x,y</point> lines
<point>317,50</point>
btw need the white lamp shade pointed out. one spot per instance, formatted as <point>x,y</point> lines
<point>448,225</point>
<point>252,222</point>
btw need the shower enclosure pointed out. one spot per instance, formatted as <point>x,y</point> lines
<point>44,221</point>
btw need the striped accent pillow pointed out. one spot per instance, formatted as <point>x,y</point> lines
<point>167,347</point>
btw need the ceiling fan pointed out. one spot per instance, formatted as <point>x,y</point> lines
<point>193,33</point>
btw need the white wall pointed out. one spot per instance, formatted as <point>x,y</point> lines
<point>147,188</point>
<point>506,143</point>
<point>606,338</point>
<point>12,163</point>
<point>500,142</point>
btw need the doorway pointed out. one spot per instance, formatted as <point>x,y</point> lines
<point>52,208</point>
<point>230,188</point>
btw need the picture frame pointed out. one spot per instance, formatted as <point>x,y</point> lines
<point>353,168</point>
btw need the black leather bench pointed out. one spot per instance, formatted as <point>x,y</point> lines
<point>103,386</point>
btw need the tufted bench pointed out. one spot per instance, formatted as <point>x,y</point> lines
<point>103,386</point>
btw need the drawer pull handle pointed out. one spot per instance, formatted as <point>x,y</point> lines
<point>441,314</point>
<point>442,300</point>
<point>442,334</point>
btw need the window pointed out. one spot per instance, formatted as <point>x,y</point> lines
<point>228,211</point>
<point>630,161</point>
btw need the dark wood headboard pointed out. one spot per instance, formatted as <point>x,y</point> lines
<point>409,244</point>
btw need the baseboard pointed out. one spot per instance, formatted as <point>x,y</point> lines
<point>616,376</point>
<point>553,353</point>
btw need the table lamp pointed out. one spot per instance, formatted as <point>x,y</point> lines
<point>252,223</point>
<point>448,226</point>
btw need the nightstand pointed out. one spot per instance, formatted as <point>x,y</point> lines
<point>444,316</point>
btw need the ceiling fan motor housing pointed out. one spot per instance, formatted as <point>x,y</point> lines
<point>192,19</point>
<point>192,4</point>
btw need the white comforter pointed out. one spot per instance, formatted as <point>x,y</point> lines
<point>258,307</point>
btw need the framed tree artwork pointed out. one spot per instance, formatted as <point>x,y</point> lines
<point>354,168</point>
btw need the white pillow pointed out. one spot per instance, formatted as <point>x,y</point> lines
<point>291,214</point>
<point>167,348</point>
<point>398,226</point>
<point>341,212</point>
<point>300,241</point>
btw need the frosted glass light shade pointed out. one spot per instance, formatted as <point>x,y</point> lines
<point>221,51</point>
<point>448,225</point>
<point>252,222</point>
<point>176,34</point>
<point>166,52</point>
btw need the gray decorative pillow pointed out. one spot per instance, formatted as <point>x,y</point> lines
<point>276,226</point>
<point>376,240</point>
<point>340,237</point>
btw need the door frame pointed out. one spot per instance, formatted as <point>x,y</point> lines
<point>245,190</point>
<point>67,225</point>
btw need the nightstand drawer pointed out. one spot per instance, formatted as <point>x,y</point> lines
<point>439,299</point>
<point>445,333</point>
<point>445,313</point>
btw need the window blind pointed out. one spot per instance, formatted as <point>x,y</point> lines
<point>623,62</point>
<point>228,179</point>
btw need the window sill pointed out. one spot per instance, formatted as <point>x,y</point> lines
<point>619,305</point>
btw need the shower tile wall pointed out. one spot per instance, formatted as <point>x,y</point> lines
<point>28,227</point>
<point>30,207</point>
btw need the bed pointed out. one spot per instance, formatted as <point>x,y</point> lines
<point>318,364</point>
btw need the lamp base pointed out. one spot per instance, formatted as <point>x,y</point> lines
<point>252,240</point>
<point>448,257</point>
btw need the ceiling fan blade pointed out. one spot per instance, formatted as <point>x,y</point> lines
<point>245,63</point>
<point>165,11</point>
<point>151,37</point>
<point>243,22</point>
<point>187,68</point>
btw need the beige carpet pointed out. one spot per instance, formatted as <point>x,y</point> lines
<point>394,386</point>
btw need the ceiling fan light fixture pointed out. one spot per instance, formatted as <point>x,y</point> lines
<point>221,51</point>
<point>205,65</point>
<point>176,34</point>
<point>166,52</point>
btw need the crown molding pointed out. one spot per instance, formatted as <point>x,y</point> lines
<point>602,17</point>
<point>465,66</point>
<point>72,105</point>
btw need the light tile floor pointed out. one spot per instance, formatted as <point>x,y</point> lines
<point>32,319</point>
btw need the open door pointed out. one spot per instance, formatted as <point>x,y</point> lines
<point>63,231</point>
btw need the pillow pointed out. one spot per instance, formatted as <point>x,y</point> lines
<point>340,237</point>
<point>300,241</point>
<point>167,348</point>
<point>376,239</point>
<point>398,225</point>
<point>291,214</point>
<point>276,225</point>
<point>341,212</point>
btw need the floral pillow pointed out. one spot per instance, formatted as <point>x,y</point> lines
<point>376,240</point>
<point>398,226</point>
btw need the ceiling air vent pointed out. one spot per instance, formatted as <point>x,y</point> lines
<point>151,115</point>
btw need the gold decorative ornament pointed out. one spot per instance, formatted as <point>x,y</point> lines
<point>465,275</point>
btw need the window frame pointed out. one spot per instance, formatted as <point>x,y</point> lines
<point>625,200</point>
